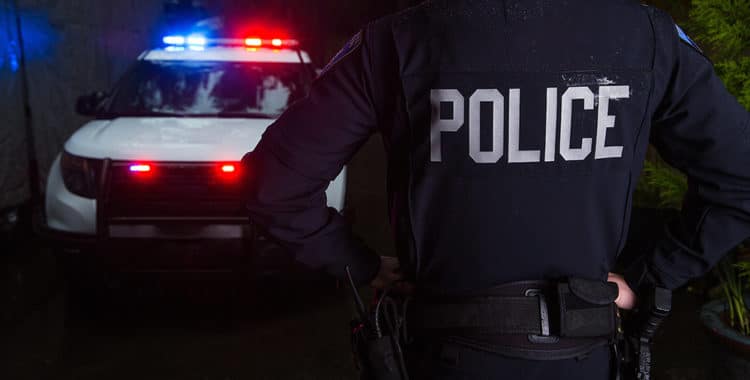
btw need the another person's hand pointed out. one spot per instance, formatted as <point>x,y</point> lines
<point>390,275</point>
<point>627,299</point>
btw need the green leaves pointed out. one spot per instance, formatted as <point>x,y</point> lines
<point>736,76</point>
<point>724,25</point>
<point>733,278</point>
<point>661,186</point>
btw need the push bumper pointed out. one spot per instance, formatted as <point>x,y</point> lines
<point>152,248</point>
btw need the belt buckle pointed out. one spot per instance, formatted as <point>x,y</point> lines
<point>545,337</point>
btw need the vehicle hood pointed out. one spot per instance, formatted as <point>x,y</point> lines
<point>168,139</point>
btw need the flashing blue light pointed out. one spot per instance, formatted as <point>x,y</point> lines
<point>13,55</point>
<point>196,40</point>
<point>175,48</point>
<point>197,48</point>
<point>14,64</point>
<point>174,40</point>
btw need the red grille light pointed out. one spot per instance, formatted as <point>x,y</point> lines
<point>228,172</point>
<point>140,168</point>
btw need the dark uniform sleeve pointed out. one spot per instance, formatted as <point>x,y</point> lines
<point>702,130</point>
<point>301,153</point>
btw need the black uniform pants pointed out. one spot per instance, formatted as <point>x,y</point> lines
<point>444,361</point>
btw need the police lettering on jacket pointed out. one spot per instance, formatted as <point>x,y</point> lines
<point>595,145</point>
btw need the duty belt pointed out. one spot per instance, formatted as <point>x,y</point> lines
<point>532,319</point>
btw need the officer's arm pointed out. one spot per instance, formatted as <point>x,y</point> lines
<point>301,153</point>
<point>701,129</point>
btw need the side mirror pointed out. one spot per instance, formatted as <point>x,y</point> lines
<point>90,105</point>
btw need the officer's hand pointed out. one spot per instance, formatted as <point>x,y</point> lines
<point>390,276</point>
<point>626,299</point>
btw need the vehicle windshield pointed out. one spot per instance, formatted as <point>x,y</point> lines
<point>208,89</point>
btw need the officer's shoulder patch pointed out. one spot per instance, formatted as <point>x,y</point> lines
<point>348,48</point>
<point>686,39</point>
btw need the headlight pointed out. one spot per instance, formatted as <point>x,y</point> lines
<point>81,175</point>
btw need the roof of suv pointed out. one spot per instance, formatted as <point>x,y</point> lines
<point>226,54</point>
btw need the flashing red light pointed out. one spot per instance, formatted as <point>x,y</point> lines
<point>254,42</point>
<point>140,168</point>
<point>228,173</point>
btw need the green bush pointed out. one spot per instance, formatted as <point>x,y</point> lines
<point>724,27</point>
<point>661,186</point>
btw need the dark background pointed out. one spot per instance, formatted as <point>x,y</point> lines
<point>197,328</point>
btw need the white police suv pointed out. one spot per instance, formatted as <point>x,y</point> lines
<point>160,162</point>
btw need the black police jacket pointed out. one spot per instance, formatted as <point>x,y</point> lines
<point>516,132</point>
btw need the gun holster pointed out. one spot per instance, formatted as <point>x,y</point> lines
<point>634,349</point>
<point>377,337</point>
<point>377,358</point>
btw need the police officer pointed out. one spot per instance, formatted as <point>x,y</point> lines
<point>515,133</point>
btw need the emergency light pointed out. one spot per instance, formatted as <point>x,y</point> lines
<point>174,40</point>
<point>196,40</point>
<point>191,40</point>
<point>275,42</point>
<point>199,42</point>
<point>254,42</point>
<point>140,168</point>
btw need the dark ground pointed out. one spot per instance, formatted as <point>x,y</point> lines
<point>222,327</point>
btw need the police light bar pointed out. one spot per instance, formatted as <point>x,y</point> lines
<point>196,40</point>
<point>191,40</point>
<point>174,40</point>
<point>199,41</point>
<point>256,42</point>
